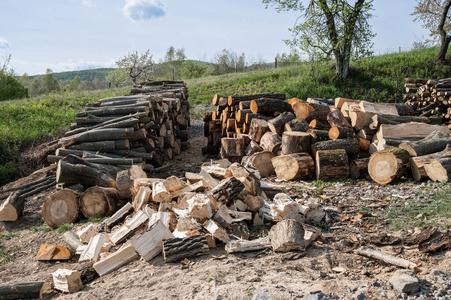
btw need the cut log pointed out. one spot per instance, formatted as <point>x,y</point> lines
<point>21,290</point>
<point>434,142</point>
<point>318,135</point>
<point>336,119</point>
<point>239,246</point>
<point>59,208</point>
<point>118,217</point>
<point>177,249</point>
<point>351,146</point>
<point>232,147</point>
<point>68,281</point>
<point>287,235</point>
<point>277,124</point>
<point>119,258</point>
<point>103,146</point>
<point>378,120</point>
<point>379,108</point>
<point>257,129</point>
<point>411,130</point>
<point>128,228</point>
<point>150,243</point>
<point>227,190</point>
<point>124,180</point>
<point>53,252</point>
<point>364,145</point>
<point>296,142</point>
<point>305,111</point>
<point>99,135</point>
<point>297,125</point>
<point>241,115</point>
<point>268,106</point>
<point>388,166</point>
<point>331,164</point>
<point>252,148</point>
<point>160,193</point>
<point>98,202</point>
<point>360,119</point>
<point>217,231</point>
<point>340,101</point>
<point>316,124</point>
<point>141,198</point>
<point>73,169</point>
<point>251,116</point>
<point>72,241</point>
<point>261,161</point>
<point>359,168</point>
<point>439,169</point>
<point>271,141</point>
<point>341,133</point>
<point>294,166</point>
<point>92,251</point>
<point>236,99</point>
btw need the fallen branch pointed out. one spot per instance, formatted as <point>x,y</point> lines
<point>387,258</point>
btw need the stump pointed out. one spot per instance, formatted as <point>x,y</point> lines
<point>98,202</point>
<point>331,165</point>
<point>59,208</point>
<point>296,142</point>
<point>294,166</point>
<point>388,166</point>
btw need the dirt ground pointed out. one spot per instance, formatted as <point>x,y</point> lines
<point>328,269</point>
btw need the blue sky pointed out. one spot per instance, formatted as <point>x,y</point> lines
<point>69,35</point>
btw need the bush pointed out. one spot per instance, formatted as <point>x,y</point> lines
<point>10,87</point>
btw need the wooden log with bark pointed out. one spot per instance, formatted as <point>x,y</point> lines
<point>351,145</point>
<point>269,106</point>
<point>277,124</point>
<point>359,168</point>
<point>287,235</point>
<point>60,207</point>
<point>261,161</point>
<point>296,142</point>
<point>294,166</point>
<point>434,142</point>
<point>388,166</point>
<point>331,164</point>
<point>99,202</point>
<point>271,141</point>
<point>21,290</point>
<point>176,249</point>
<point>336,119</point>
<point>297,124</point>
<point>341,133</point>
<point>257,129</point>
<point>236,99</point>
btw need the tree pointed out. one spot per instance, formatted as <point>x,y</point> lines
<point>330,27</point>
<point>10,87</point>
<point>117,77</point>
<point>49,82</point>
<point>191,69</point>
<point>173,62</point>
<point>25,80</point>
<point>36,86</point>
<point>227,61</point>
<point>74,84</point>
<point>138,66</point>
<point>436,17</point>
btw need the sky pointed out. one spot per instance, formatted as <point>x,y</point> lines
<point>67,35</point>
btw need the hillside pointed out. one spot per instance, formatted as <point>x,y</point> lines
<point>378,78</point>
<point>85,75</point>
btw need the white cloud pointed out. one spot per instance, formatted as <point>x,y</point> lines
<point>88,3</point>
<point>79,64</point>
<point>138,10</point>
<point>3,43</point>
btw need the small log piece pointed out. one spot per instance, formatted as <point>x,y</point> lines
<point>388,166</point>
<point>177,249</point>
<point>294,166</point>
<point>296,142</point>
<point>331,164</point>
<point>287,235</point>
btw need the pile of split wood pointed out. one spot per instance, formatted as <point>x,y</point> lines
<point>429,97</point>
<point>181,218</point>
<point>297,139</point>
<point>110,136</point>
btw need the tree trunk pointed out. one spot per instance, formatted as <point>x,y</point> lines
<point>59,208</point>
<point>294,166</point>
<point>99,202</point>
<point>332,165</point>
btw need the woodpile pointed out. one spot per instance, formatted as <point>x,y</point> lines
<point>327,139</point>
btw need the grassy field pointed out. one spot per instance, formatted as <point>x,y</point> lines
<point>378,79</point>
<point>26,122</point>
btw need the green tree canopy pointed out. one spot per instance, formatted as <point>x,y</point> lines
<point>117,77</point>
<point>10,87</point>
<point>337,28</point>
<point>49,82</point>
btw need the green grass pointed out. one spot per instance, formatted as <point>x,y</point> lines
<point>435,209</point>
<point>94,220</point>
<point>6,257</point>
<point>40,228</point>
<point>378,79</point>
<point>64,227</point>
<point>8,235</point>
<point>25,122</point>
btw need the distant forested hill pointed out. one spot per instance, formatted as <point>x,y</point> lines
<point>85,75</point>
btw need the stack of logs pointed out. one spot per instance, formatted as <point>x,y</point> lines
<point>112,135</point>
<point>429,97</point>
<point>296,139</point>
<point>184,218</point>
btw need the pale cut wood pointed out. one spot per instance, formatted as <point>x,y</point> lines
<point>340,101</point>
<point>222,216</point>
<point>141,198</point>
<point>388,166</point>
<point>200,207</point>
<point>128,228</point>
<point>240,216</point>
<point>287,235</point>
<point>173,183</point>
<point>119,258</point>
<point>68,281</point>
<point>411,130</point>
<point>417,163</point>
<point>98,202</point>
<point>86,233</point>
<point>150,243</point>
<point>118,216</point>
<point>217,231</point>
<point>261,161</point>
<point>387,258</point>
<point>59,208</point>
<point>293,166</point>
<point>160,193</point>
<point>92,251</point>
<point>379,108</point>
<point>72,240</point>
<point>254,203</point>
<point>270,141</point>
<point>208,179</point>
<point>176,249</point>
<point>239,246</point>
<point>439,169</point>
<point>53,252</point>
<point>359,119</point>
<point>169,219</point>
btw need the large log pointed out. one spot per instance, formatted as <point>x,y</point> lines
<point>177,249</point>
<point>378,108</point>
<point>59,208</point>
<point>294,166</point>
<point>108,111</point>
<point>21,290</point>
<point>434,142</point>
<point>261,161</point>
<point>258,129</point>
<point>388,166</point>
<point>331,164</point>
<point>103,146</point>
<point>75,170</point>
<point>296,142</point>
<point>277,124</point>
<point>99,202</point>
<point>298,124</point>
<point>271,142</point>
<point>336,118</point>
<point>411,130</point>
<point>100,135</point>
<point>236,99</point>
<point>439,169</point>
<point>268,106</point>
<point>378,120</point>
<point>351,146</point>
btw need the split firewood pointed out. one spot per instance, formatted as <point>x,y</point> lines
<point>201,207</point>
<point>388,166</point>
<point>261,161</point>
<point>293,166</point>
<point>99,201</point>
<point>176,249</point>
<point>118,217</point>
<point>113,261</point>
<point>150,243</point>
<point>68,281</point>
<point>227,190</point>
<point>160,193</point>
<point>217,231</point>
<point>53,252</point>
<point>59,208</point>
<point>86,233</point>
<point>239,246</point>
<point>439,169</point>
<point>124,180</point>
<point>92,251</point>
<point>287,235</point>
<point>340,101</point>
<point>128,228</point>
<point>417,163</point>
